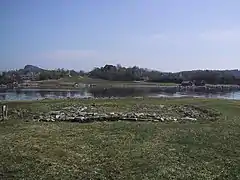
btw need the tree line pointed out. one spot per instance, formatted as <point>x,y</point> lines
<point>119,73</point>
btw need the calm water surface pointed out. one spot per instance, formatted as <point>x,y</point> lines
<point>33,94</point>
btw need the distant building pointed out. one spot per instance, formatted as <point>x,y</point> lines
<point>28,84</point>
<point>3,86</point>
<point>199,83</point>
<point>145,78</point>
<point>29,76</point>
<point>79,85</point>
<point>12,85</point>
<point>187,83</point>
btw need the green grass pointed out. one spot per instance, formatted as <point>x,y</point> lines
<point>121,150</point>
<point>68,82</point>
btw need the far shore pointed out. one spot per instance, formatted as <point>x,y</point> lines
<point>164,88</point>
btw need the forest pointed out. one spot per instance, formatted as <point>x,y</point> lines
<point>119,73</point>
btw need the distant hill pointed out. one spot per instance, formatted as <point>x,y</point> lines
<point>31,68</point>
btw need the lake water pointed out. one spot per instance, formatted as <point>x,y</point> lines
<point>33,94</point>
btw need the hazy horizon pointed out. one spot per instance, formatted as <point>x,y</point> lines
<point>88,70</point>
<point>167,35</point>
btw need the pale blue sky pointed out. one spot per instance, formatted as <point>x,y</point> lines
<point>167,35</point>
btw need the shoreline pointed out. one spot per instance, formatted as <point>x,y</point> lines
<point>124,85</point>
<point>91,98</point>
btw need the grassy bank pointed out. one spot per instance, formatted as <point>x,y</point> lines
<point>70,81</point>
<point>121,150</point>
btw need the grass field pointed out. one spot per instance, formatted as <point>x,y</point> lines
<point>70,81</point>
<point>121,150</point>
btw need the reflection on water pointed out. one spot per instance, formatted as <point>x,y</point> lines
<point>225,95</point>
<point>42,94</point>
<point>33,94</point>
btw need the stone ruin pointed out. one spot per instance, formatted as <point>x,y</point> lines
<point>90,113</point>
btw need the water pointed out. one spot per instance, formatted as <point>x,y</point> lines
<point>34,94</point>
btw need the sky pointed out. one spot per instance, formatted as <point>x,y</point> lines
<point>165,35</point>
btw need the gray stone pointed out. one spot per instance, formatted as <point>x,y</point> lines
<point>83,109</point>
<point>54,112</point>
<point>189,118</point>
<point>86,114</point>
<point>161,106</point>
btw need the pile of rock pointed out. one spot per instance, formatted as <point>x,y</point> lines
<point>190,111</point>
<point>87,114</point>
<point>90,117</point>
<point>115,112</point>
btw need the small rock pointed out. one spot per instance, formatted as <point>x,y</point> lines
<point>189,118</point>
<point>139,114</point>
<point>83,109</point>
<point>54,112</point>
<point>81,118</point>
<point>82,113</point>
<point>70,118</point>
